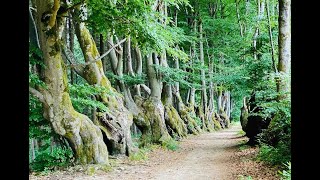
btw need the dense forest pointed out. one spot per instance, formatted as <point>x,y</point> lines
<point>111,77</point>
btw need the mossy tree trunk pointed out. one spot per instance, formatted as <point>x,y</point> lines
<point>187,114</point>
<point>193,54</point>
<point>138,68</point>
<point>211,107</point>
<point>204,101</point>
<point>156,131</point>
<point>116,122</point>
<point>171,116</point>
<point>244,115</point>
<point>85,137</point>
<point>117,63</point>
<point>222,107</point>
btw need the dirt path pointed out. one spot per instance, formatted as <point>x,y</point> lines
<point>207,156</point>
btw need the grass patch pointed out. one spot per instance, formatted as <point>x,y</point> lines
<point>91,169</point>
<point>234,123</point>
<point>243,147</point>
<point>286,174</point>
<point>142,153</point>
<point>170,144</point>
<point>241,133</point>
<point>217,125</point>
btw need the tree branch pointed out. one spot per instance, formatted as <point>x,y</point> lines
<point>146,88</point>
<point>69,8</point>
<point>70,57</point>
<point>56,7</point>
<point>99,58</point>
<point>34,26</point>
<point>37,94</point>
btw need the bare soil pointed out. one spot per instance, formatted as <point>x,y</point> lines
<point>209,156</point>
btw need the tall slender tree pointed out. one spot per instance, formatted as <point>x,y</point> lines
<point>283,85</point>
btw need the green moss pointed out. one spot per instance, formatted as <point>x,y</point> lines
<point>155,131</point>
<point>175,122</point>
<point>90,75</point>
<point>241,133</point>
<point>217,125</point>
<point>92,169</point>
<point>99,64</point>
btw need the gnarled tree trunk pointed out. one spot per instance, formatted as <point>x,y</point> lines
<point>85,137</point>
<point>157,132</point>
<point>116,122</point>
<point>171,115</point>
<point>204,108</point>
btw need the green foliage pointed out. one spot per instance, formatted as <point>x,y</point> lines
<point>36,120</point>
<point>40,129</point>
<point>34,80</point>
<point>127,79</point>
<point>48,159</point>
<point>243,147</point>
<point>275,155</point>
<point>78,54</point>
<point>276,139</point>
<point>35,56</point>
<point>80,96</point>
<point>170,144</point>
<point>196,119</point>
<point>141,155</point>
<point>286,174</point>
<point>172,75</point>
<point>241,133</point>
<point>35,60</point>
<point>136,18</point>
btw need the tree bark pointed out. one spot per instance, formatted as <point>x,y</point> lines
<point>116,122</point>
<point>71,47</point>
<point>271,39</point>
<point>171,116</point>
<point>238,17</point>
<point>193,56</point>
<point>135,106</point>
<point>84,137</point>
<point>256,33</point>
<point>283,85</point>
<point>187,114</point>
<point>211,107</point>
<point>157,131</point>
<point>138,68</point>
<point>244,115</point>
<point>203,81</point>
<point>33,34</point>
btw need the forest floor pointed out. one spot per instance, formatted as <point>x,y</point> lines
<point>220,155</point>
